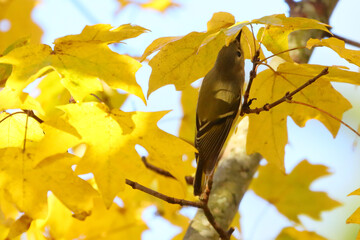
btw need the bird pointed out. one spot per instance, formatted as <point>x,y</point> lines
<point>217,110</point>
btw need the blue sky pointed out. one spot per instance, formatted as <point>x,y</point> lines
<point>259,219</point>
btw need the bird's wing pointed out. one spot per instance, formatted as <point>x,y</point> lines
<point>210,140</point>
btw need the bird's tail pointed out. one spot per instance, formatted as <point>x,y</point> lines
<point>199,179</point>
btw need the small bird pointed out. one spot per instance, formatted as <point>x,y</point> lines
<point>217,109</point>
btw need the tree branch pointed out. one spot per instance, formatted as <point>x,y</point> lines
<point>156,169</point>
<point>288,96</point>
<point>172,200</point>
<point>182,202</point>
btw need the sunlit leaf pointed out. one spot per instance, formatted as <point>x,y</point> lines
<point>287,191</point>
<point>268,130</point>
<point>27,186</point>
<point>352,56</point>
<point>291,233</point>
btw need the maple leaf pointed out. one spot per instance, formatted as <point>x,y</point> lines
<point>159,5</point>
<point>352,56</point>
<point>268,130</point>
<point>18,13</point>
<point>52,94</point>
<point>114,223</point>
<point>111,154</point>
<point>81,60</point>
<point>275,35</point>
<point>181,61</point>
<point>355,217</point>
<point>20,226</point>
<point>188,102</point>
<point>27,186</point>
<point>291,233</point>
<point>12,99</point>
<point>287,191</point>
<point>12,130</point>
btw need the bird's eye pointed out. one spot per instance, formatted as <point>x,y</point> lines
<point>238,53</point>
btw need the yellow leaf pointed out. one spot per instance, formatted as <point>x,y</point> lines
<point>52,93</point>
<point>287,191</point>
<point>18,14</point>
<point>355,217</point>
<point>20,226</point>
<point>159,5</point>
<point>59,136</point>
<point>111,97</point>
<point>236,223</point>
<point>83,63</point>
<point>5,69</point>
<point>81,60</point>
<point>275,35</point>
<point>352,56</point>
<point>336,74</point>
<point>292,23</point>
<point>275,39</point>
<point>111,154</point>
<point>220,20</point>
<point>12,99</point>
<point>28,63</point>
<point>104,33</point>
<point>267,131</point>
<point>27,187</point>
<point>188,102</point>
<point>181,62</point>
<point>247,43</point>
<point>110,224</point>
<point>12,130</point>
<point>291,233</point>
<point>156,45</point>
<point>356,192</point>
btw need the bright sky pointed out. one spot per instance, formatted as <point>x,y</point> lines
<point>259,219</point>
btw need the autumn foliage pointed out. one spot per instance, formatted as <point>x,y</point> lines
<point>66,146</point>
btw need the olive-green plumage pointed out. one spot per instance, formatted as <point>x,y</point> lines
<point>217,108</point>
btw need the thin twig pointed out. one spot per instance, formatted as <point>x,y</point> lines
<point>223,234</point>
<point>156,169</point>
<point>277,54</point>
<point>288,96</point>
<point>325,112</point>
<point>245,105</point>
<point>172,200</point>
